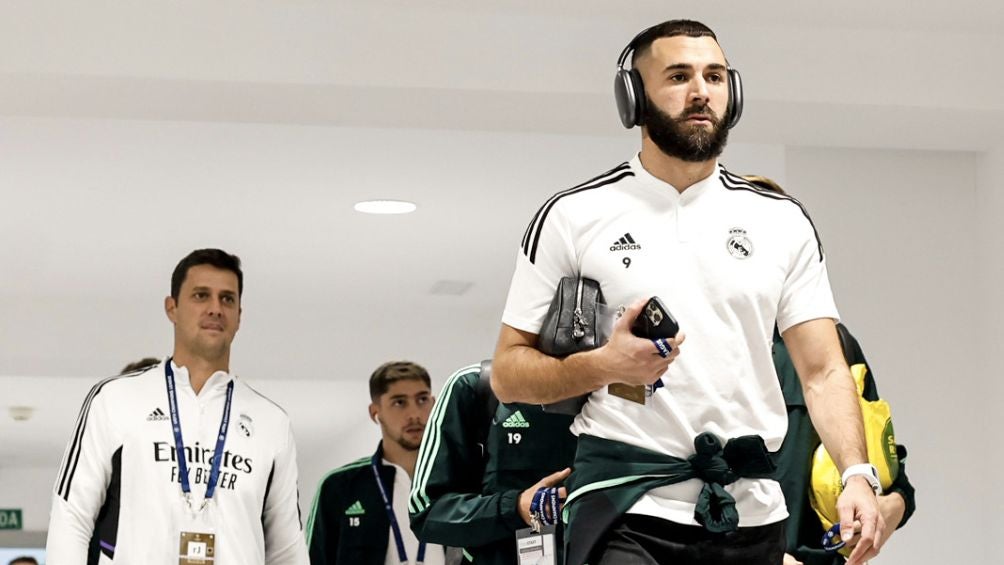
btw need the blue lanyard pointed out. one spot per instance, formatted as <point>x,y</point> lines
<point>179,443</point>
<point>401,553</point>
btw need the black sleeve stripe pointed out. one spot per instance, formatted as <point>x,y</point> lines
<point>104,538</point>
<point>734,182</point>
<point>547,208</point>
<point>264,501</point>
<point>77,434</point>
<point>529,228</point>
<point>533,222</point>
<point>550,204</point>
<point>72,458</point>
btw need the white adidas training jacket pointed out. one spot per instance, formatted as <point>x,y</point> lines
<point>121,463</point>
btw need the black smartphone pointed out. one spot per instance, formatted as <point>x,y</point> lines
<point>655,321</point>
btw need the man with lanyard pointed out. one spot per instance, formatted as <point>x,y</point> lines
<point>183,462</point>
<point>652,480</point>
<point>488,472</point>
<point>360,511</point>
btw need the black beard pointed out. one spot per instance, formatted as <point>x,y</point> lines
<point>675,138</point>
<point>406,444</point>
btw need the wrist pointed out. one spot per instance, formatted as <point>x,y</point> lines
<point>893,508</point>
<point>865,472</point>
<point>588,367</point>
<point>512,508</point>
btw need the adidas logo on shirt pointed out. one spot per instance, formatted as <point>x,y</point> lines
<point>156,416</point>
<point>626,243</point>
<point>516,421</point>
<point>355,510</point>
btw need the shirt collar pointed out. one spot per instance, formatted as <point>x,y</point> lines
<point>216,381</point>
<point>690,194</point>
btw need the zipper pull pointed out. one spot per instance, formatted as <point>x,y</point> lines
<point>578,324</point>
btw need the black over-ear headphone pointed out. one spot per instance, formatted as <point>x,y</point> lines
<point>629,91</point>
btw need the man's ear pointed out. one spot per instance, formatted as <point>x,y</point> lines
<point>374,413</point>
<point>170,308</point>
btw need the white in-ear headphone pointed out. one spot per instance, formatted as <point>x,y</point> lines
<point>377,418</point>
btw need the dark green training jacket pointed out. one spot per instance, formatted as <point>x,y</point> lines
<point>348,524</point>
<point>472,467</point>
<point>804,532</point>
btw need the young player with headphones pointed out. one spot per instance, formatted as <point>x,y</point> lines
<point>360,511</point>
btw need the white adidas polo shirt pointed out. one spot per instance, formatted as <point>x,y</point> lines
<point>727,259</point>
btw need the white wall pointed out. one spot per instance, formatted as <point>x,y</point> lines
<point>990,325</point>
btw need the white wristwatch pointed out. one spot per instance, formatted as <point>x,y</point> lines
<point>866,470</point>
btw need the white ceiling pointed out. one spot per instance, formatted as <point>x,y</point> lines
<point>131,133</point>
<point>894,73</point>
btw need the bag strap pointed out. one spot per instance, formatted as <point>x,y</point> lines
<point>854,356</point>
<point>846,343</point>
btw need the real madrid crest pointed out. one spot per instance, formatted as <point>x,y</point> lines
<point>739,245</point>
<point>246,425</point>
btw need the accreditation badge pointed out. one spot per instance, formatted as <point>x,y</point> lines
<point>536,547</point>
<point>197,548</point>
<point>197,540</point>
<point>633,393</point>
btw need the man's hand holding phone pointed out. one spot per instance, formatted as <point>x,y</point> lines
<point>636,361</point>
<point>655,322</point>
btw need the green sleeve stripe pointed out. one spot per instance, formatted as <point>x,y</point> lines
<point>431,440</point>
<point>362,462</point>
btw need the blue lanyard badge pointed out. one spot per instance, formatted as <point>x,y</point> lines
<point>831,539</point>
<point>179,443</point>
<point>398,540</point>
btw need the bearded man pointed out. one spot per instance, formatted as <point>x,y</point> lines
<point>673,462</point>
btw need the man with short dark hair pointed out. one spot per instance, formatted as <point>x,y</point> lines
<point>672,462</point>
<point>26,560</point>
<point>360,511</point>
<point>182,461</point>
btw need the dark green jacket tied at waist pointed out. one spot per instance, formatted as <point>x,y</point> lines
<point>611,476</point>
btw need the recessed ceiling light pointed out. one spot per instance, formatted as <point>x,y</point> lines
<point>21,413</point>
<point>385,207</point>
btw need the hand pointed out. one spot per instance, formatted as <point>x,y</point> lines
<point>629,359</point>
<point>858,503</point>
<point>789,560</point>
<point>526,497</point>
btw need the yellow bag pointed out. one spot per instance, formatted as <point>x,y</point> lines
<point>826,486</point>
